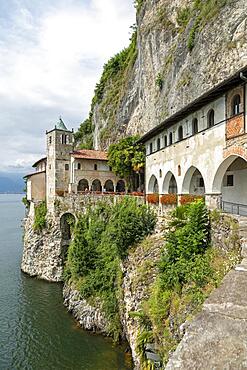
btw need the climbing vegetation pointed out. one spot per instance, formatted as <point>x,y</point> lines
<point>127,158</point>
<point>199,13</point>
<point>102,237</point>
<point>40,216</point>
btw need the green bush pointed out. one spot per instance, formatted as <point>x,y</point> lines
<point>189,269</point>
<point>102,237</point>
<point>40,216</point>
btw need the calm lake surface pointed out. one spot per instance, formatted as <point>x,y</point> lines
<point>36,332</point>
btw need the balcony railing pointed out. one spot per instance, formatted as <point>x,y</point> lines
<point>234,208</point>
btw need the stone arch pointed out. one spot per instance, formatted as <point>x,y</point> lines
<point>169,184</point>
<point>83,185</point>
<point>120,188</point>
<point>109,186</point>
<point>230,182</point>
<point>96,185</point>
<point>153,186</point>
<point>67,223</point>
<point>193,182</point>
<point>218,177</point>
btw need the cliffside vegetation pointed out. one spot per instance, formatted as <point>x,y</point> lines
<point>108,93</point>
<point>127,159</point>
<point>101,240</point>
<point>40,216</point>
<point>189,269</point>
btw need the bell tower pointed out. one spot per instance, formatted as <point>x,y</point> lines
<point>59,145</point>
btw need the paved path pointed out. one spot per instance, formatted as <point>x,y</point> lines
<point>217,337</point>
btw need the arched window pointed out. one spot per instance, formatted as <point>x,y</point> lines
<point>160,173</point>
<point>236,102</point>
<point>180,133</point>
<point>78,166</point>
<point>195,126</point>
<point>150,148</point>
<point>95,167</point>
<point>170,138</point>
<point>179,170</point>
<point>165,141</point>
<point>158,143</point>
<point>211,118</point>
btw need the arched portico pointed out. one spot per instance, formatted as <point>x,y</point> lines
<point>83,185</point>
<point>230,181</point>
<point>169,184</point>
<point>109,187</point>
<point>193,182</point>
<point>153,186</point>
<point>96,185</point>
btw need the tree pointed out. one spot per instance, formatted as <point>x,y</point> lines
<point>127,159</point>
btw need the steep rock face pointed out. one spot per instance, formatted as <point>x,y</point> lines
<point>89,317</point>
<point>42,252</point>
<point>177,61</point>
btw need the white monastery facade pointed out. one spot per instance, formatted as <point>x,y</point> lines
<point>202,149</point>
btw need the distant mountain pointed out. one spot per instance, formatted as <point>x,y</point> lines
<point>11,182</point>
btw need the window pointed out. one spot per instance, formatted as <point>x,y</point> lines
<point>180,133</point>
<point>95,167</point>
<point>201,182</point>
<point>66,167</point>
<point>165,141</point>
<point>179,170</point>
<point>50,139</point>
<point>160,173</point>
<point>236,105</point>
<point>150,148</point>
<point>211,118</point>
<point>79,166</point>
<point>158,144</point>
<point>110,168</point>
<point>229,180</point>
<point>170,138</point>
<point>195,126</point>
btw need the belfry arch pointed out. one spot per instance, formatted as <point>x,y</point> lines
<point>193,182</point>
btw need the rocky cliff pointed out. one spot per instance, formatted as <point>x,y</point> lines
<point>181,49</point>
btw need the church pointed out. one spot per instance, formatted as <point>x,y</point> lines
<point>66,171</point>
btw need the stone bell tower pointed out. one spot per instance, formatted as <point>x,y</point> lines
<point>59,144</point>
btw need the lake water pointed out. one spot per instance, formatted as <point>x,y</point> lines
<point>36,332</point>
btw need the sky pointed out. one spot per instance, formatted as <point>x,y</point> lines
<point>51,56</point>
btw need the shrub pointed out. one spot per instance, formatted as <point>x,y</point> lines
<point>153,198</point>
<point>40,216</point>
<point>102,237</point>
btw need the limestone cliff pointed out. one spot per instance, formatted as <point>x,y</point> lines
<point>182,49</point>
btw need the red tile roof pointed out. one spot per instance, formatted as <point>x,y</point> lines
<point>90,154</point>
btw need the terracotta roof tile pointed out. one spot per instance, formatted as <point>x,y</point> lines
<point>90,154</point>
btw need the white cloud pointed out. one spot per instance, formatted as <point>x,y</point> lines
<point>50,61</point>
